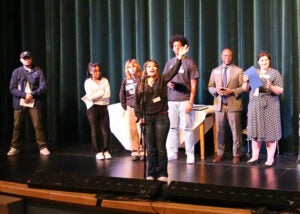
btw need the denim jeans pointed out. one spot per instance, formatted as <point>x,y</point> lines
<point>156,132</point>
<point>100,131</point>
<point>179,118</point>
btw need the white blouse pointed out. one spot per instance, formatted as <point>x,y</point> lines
<point>98,93</point>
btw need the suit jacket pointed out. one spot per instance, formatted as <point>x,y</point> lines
<point>234,82</point>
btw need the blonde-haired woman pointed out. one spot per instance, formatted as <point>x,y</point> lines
<point>127,93</point>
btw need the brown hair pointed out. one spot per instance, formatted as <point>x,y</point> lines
<point>264,53</point>
<point>145,67</point>
<point>141,86</point>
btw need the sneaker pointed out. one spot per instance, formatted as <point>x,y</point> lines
<point>150,178</point>
<point>44,151</point>
<point>190,158</point>
<point>100,156</point>
<point>163,179</point>
<point>142,155</point>
<point>107,155</point>
<point>135,158</point>
<point>172,156</point>
<point>12,151</point>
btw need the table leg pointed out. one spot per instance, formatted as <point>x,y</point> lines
<point>202,142</point>
<point>215,134</point>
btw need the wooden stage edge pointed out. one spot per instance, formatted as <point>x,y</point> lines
<point>89,200</point>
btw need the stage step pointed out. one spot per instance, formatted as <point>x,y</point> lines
<point>95,184</point>
<point>230,196</point>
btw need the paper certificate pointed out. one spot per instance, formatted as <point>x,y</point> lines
<point>23,103</point>
<point>88,102</point>
<point>255,81</point>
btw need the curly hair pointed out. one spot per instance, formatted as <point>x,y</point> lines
<point>178,37</point>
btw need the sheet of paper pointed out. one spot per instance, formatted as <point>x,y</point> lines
<point>87,102</point>
<point>30,104</point>
<point>255,81</point>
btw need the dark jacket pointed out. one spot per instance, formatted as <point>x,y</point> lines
<point>127,92</point>
<point>154,99</point>
<point>37,83</point>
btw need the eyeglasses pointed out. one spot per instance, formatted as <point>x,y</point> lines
<point>26,57</point>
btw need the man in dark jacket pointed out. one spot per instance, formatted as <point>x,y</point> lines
<point>27,86</point>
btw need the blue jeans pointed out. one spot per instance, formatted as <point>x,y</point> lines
<point>156,132</point>
<point>179,118</point>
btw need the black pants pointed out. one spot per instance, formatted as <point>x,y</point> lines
<point>100,132</point>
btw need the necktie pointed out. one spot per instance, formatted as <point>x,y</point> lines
<point>224,79</point>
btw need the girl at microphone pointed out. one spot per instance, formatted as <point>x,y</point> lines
<point>151,109</point>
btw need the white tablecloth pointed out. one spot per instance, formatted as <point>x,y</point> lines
<point>200,115</point>
<point>119,127</point>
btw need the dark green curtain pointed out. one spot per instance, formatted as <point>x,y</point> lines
<point>65,35</point>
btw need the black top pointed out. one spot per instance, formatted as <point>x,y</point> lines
<point>156,97</point>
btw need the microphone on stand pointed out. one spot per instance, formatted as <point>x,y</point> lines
<point>145,77</point>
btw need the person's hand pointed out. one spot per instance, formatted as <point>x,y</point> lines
<point>170,85</point>
<point>269,84</point>
<point>123,112</point>
<point>142,120</point>
<point>245,78</point>
<point>189,107</point>
<point>183,50</point>
<point>224,91</point>
<point>28,98</point>
<point>221,91</point>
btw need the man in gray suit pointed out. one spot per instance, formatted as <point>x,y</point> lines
<point>225,84</point>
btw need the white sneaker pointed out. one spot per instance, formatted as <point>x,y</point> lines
<point>172,156</point>
<point>107,155</point>
<point>163,179</point>
<point>190,158</point>
<point>150,178</point>
<point>100,156</point>
<point>12,151</point>
<point>44,151</point>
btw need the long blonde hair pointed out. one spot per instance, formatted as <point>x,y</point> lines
<point>138,70</point>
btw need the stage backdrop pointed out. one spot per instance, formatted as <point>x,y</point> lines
<point>65,35</point>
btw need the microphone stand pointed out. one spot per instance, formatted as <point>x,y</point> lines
<point>298,160</point>
<point>143,125</point>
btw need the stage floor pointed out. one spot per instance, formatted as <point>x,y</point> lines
<point>77,159</point>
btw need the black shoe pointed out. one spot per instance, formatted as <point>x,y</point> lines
<point>251,163</point>
<point>267,166</point>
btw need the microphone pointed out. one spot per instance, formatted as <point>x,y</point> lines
<point>145,77</point>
